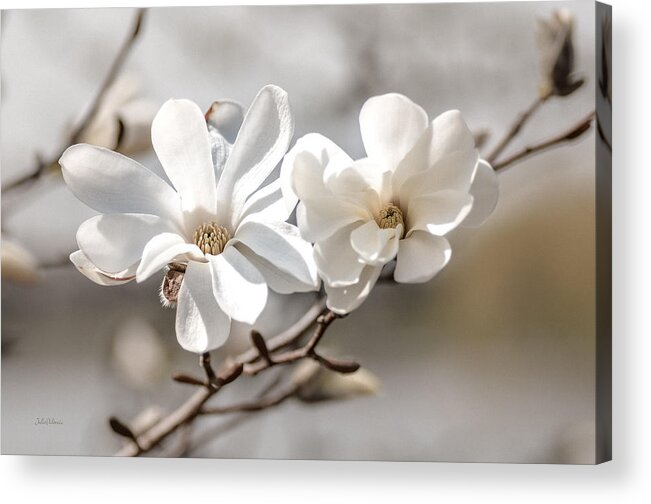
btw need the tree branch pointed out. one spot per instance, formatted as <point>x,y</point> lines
<point>517,126</point>
<point>574,132</point>
<point>74,137</point>
<point>248,363</point>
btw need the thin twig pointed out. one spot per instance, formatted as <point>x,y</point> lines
<point>90,114</point>
<point>516,128</point>
<point>567,136</point>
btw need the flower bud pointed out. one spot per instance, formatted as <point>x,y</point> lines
<point>556,49</point>
<point>169,289</point>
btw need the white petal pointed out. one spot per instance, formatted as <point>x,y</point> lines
<point>238,286</point>
<point>268,204</point>
<point>320,217</point>
<point>113,242</point>
<point>390,125</point>
<point>261,143</point>
<point>303,167</point>
<point>281,244</point>
<point>92,272</point>
<point>343,300</point>
<point>374,245</point>
<point>338,263</point>
<point>180,138</point>
<point>163,249</point>
<point>364,179</point>
<point>446,134</point>
<point>485,191</point>
<point>112,183</point>
<point>201,325</point>
<point>438,212</point>
<point>453,171</point>
<point>220,150</point>
<point>276,279</point>
<point>421,256</point>
<point>226,116</point>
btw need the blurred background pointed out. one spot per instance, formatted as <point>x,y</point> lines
<point>493,360</point>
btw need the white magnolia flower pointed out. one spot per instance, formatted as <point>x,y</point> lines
<point>419,181</point>
<point>225,235</point>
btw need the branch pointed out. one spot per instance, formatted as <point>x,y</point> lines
<point>567,136</point>
<point>264,402</point>
<point>248,363</point>
<point>89,116</point>
<point>516,128</point>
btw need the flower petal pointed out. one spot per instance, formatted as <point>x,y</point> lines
<point>485,191</point>
<point>238,286</point>
<point>281,244</point>
<point>302,171</point>
<point>446,134</point>
<point>226,116</point>
<point>359,180</point>
<point>390,125</point>
<point>372,243</point>
<point>320,217</point>
<point>439,212</point>
<point>163,249</point>
<point>268,204</point>
<point>220,149</point>
<point>453,171</point>
<point>180,138</point>
<point>201,324</point>
<point>338,263</point>
<point>421,256</point>
<point>276,279</point>
<point>112,183</point>
<point>261,143</point>
<point>92,272</point>
<point>342,300</point>
<point>113,242</point>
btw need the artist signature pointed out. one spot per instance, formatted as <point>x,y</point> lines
<point>48,421</point>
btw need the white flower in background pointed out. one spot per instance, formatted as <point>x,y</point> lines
<point>555,44</point>
<point>419,181</point>
<point>214,223</point>
<point>123,119</point>
<point>18,264</point>
<point>317,383</point>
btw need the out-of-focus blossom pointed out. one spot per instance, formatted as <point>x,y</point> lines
<point>420,181</point>
<point>18,264</point>
<point>139,357</point>
<point>123,120</point>
<point>556,48</point>
<point>218,224</point>
<point>316,383</point>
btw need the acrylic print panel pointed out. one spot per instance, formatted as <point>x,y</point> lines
<point>373,232</point>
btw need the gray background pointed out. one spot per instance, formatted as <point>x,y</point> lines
<point>491,361</point>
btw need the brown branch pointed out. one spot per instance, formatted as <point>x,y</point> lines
<point>265,402</point>
<point>573,133</point>
<point>247,363</point>
<point>516,128</point>
<point>89,116</point>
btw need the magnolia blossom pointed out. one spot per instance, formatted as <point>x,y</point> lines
<point>419,181</point>
<point>220,232</point>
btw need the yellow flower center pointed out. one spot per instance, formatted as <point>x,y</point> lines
<point>211,238</point>
<point>390,217</point>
